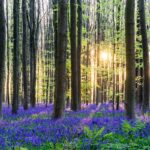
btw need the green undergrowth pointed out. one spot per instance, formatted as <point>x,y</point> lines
<point>97,139</point>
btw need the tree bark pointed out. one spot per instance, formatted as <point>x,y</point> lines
<point>2,52</point>
<point>98,88</point>
<point>24,53</point>
<point>32,54</point>
<point>8,57</point>
<point>60,76</point>
<point>130,59</point>
<point>74,70</point>
<point>139,61</point>
<point>15,101</point>
<point>145,104</point>
<point>79,49</point>
<point>117,61</point>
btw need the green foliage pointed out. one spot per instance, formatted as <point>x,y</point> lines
<point>113,141</point>
<point>98,114</point>
<point>138,144</point>
<point>21,148</point>
<point>41,116</point>
<point>126,127</point>
<point>90,134</point>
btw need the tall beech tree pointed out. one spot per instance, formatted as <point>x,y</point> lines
<point>24,53</point>
<point>15,101</point>
<point>139,60</point>
<point>60,76</point>
<point>2,51</point>
<point>145,105</point>
<point>79,48</point>
<point>130,58</point>
<point>8,56</point>
<point>32,26</point>
<point>74,64</point>
<point>98,96</point>
<point>117,61</point>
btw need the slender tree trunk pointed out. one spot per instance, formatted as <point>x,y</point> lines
<point>139,61</point>
<point>86,78</point>
<point>114,58</point>
<point>98,54</point>
<point>118,65</point>
<point>32,54</point>
<point>74,70</point>
<point>79,48</point>
<point>24,53</point>
<point>130,59</point>
<point>15,101</point>
<point>60,76</point>
<point>117,87</point>
<point>8,57</point>
<point>2,52</point>
<point>145,105</point>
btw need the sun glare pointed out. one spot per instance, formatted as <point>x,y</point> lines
<point>104,56</point>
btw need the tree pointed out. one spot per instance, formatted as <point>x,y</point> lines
<point>98,53</point>
<point>60,76</point>
<point>74,64</point>
<point>117,61</point>
<point>15,101</point>
<point>139,62</point>
<point>79,48</point>
<point>55,24</point>
<point>130,59</point>
<point>2,51</point>
<point>32,26</point>
<point>24,53</point>
<point>145,104</point>
<point>8,56</point>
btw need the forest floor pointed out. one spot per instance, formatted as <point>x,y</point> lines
<point>92,128</point>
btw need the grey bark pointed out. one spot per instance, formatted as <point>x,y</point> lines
<point>24,53</point>
<point>2,51</point>
<point>130,59</point>
<point>60,75</point>
<point>15,101</point>
<point>79,49</point>
<point>145,104</point>
<point>74,64</point>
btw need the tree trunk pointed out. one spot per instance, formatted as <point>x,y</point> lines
<point>2,51</point>
<point>24,53</point>
<point>32,54</point>
<point>145,104</point>
<point>114,59</point>
<point>130,59</point>
<point>60,76</point>
<point>74,70</point>
<point>117,61</point>
<point>79,49</point>
<point>8,57</point>
<point>15,101</point>
<point>98,54</point>
<point>139,61</point>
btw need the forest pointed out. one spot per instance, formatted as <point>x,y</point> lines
<point>74,75</point>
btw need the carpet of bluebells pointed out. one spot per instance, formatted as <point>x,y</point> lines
<point>92,128</point>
